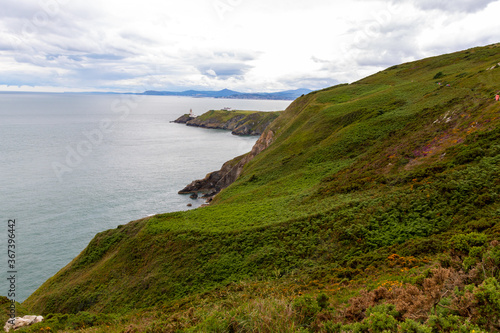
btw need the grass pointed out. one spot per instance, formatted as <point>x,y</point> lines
<point>225,115</point>
<point>363,187</point>
<point>239,121</point>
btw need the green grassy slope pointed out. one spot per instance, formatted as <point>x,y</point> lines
<point>395,163</point>
<point>240,122</point>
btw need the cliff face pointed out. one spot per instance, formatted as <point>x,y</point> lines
<point>215,181</point>
<point>238,122</point>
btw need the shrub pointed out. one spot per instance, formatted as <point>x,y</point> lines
<point>379,322</point>
<point>438,75</point>
<point>306,308</point>
<point>376,322</point>
<point>483,223</point>
<point>411,326</point>
<point>469,155</point>
<point>322,300</point>
<point>486,304</point>
<point>331,327</point>
<point>475,255</point>
<point>463,242</point>
<point>491,260</point>
<point>450,323</point>
<point>389,309</point>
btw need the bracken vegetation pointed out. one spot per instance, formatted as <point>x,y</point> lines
<point>375,209</point>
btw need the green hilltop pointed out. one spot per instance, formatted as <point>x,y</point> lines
<point>374,207</point>
<point>240,122</point>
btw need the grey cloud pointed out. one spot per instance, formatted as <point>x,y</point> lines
<point>75,58</point>
<point>98,73</point>
<point>39,10</point>
<point>55,57</point>
<point>19,9</point>
<point>385,44</point>
<point>486,38</point>
<point>105,56</point>
<point>75,62</point>
<point>64,41</point>
<point>239,56</point>
<point>223,63</point>
<point>467,6</point>
<point>224,70</point>
<point>385,58</point>
<point>319,61</point>
<point>18,78</point>
<point>387,50</point>
<point>221,55</point>
<point>5,44</point>
<point>81,57</point>
<point>136,38</point>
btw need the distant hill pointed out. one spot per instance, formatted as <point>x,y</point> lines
<point>226,93</point>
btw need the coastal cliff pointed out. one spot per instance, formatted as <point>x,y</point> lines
<point>237,121</point>
<point>215,181</point>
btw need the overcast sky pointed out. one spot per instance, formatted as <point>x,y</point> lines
<point>244,45</point>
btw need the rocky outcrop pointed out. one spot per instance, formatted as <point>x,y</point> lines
<point>19,322</point>
<point>238,122</point>
<point>183,119</point>
<point>215,181</point>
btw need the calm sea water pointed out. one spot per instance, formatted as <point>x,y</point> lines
<point>73,165</point>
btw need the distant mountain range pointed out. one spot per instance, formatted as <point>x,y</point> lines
<point>226,93</point>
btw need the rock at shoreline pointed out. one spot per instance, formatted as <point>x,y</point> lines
<point>183,119</point>
<point>216,181</point>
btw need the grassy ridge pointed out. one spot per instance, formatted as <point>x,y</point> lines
<point>398,164</point>
<point>240,122</point>
<point>223,116</point>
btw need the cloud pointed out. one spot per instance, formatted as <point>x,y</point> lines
<point>224,70</point>
<point>105,56</point>
<point>235,55</point>
<point>19,9</point>
<point>312,83</point>
<point>137,38</point>
<point>221,63</point>
<point>209,72</point>
<point>120,46</point>
<point>386,38</point>
<point>466,6</point>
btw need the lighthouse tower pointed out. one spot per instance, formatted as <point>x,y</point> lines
<point>191,114</point>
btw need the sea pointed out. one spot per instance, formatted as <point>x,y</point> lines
<point>73,165</point>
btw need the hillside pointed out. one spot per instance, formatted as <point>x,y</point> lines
<point>373,206</point>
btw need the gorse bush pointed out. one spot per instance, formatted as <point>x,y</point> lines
<point>486,304</point>
<point>307,308</point>
<point>464,242</point>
